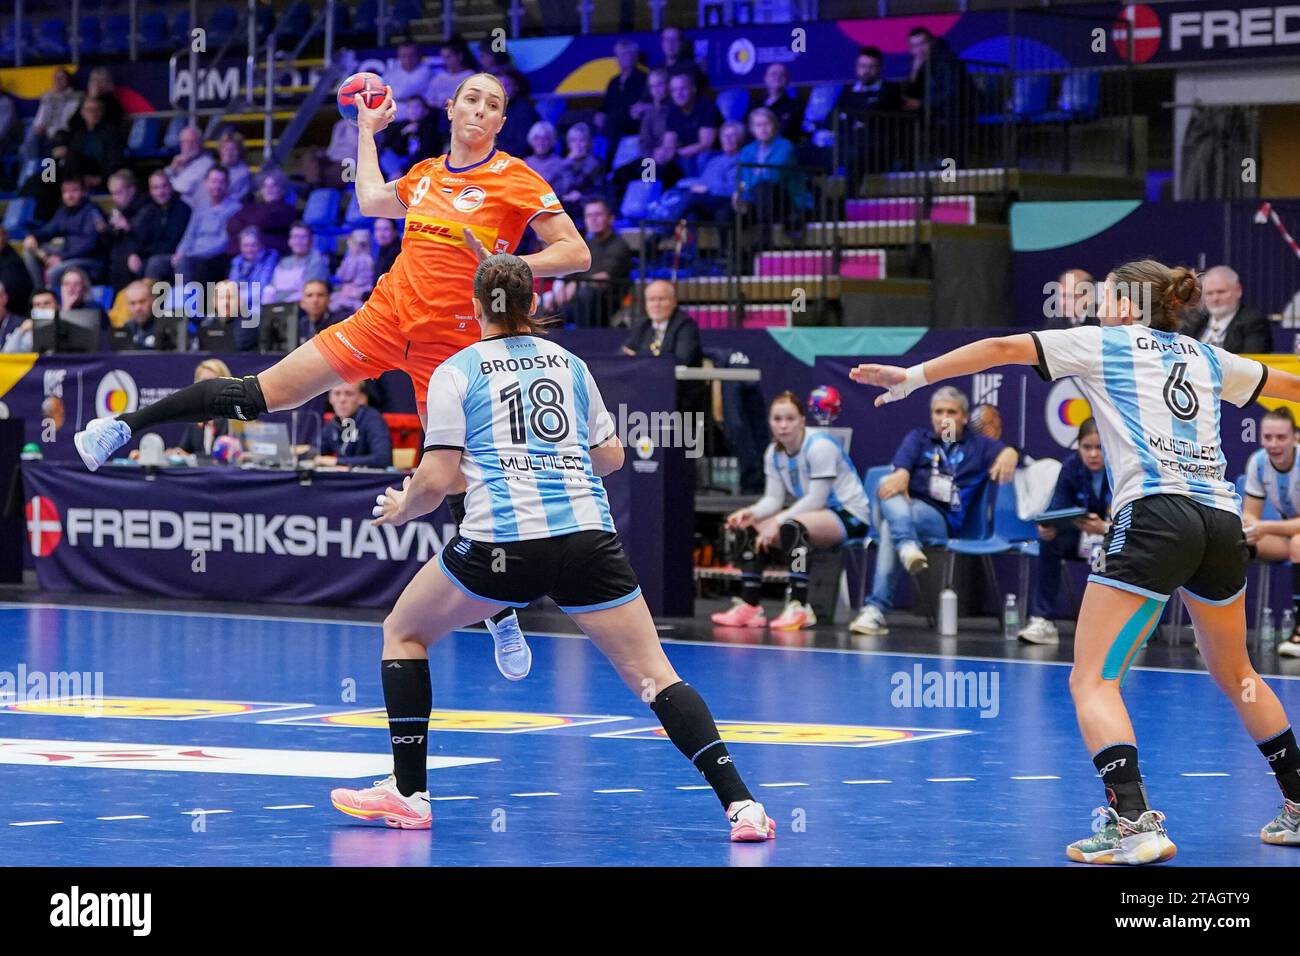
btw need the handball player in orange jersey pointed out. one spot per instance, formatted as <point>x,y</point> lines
<point>459,209</point>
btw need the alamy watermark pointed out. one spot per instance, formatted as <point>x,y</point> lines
<point>28,687</point>
<point>946,689</point>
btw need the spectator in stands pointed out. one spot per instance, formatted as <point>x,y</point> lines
<point>324,167</point>
<point>409,142</point>
<point>253,267</point>
<point>314,310</point>
<point>188,170</point>
<point>615,118</point>
<point>776,97</point>
<point>14,275</point>
<point>940,87</point>
<point>75,293</point>
<point>1075,304</point>
<point>387,245</point>
<point>128,202</point>
<point>865,118</point>
<point>713,192</point>
<point>201,255</point>
<point>677,59</point>
<point>582,175</point>
<point>590,299</point>
<point>520,116</point>
<point>139,300</point>
<point>357,435</point>
<point>157,230</point>
<point>1082,483</point>
<point>869,92</point>
<point>301,265</point>
<point>456,66</point>
<point>46,185</point>
<point>226,308</point>
<point>657,141</point>
<point>694,119</point>
<point>84,234</point>
<point>230,153</point>
<point>56,108</point>
<point>544,160</point>
<point>97,145</point>
<point>15,328</point>
<point>770,188</point>
<point>355,276</point>
<point>270,212</point>
<point>1224,321</point>
<point>939,475</point>
<point>408,75</point>
<point>100,85</point>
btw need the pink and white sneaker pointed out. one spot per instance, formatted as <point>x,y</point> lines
<point>750,822</point>
<point>385,802</point>
<point>795,617</point>
<point>740,615</point>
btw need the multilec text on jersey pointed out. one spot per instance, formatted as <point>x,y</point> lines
<point>525,364</point>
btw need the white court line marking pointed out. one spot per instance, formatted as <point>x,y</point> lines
<point>856,782</point>
<point>202,813</point>
<point>125,816</point>
<point>1205,775</point>
<point>620,790</point>
<point>1043,777</point>
<point>453,798</point>
<point>696,786</point>
<point>540,793</point>
<point>36,823</point>
<point>292,806</point>
<point>789,783</point>
<point>9,605</point>
<point>950,779</point>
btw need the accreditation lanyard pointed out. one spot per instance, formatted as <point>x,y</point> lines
<point>943,484</point>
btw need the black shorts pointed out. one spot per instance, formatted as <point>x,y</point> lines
<point>583,571</point>
<point>854,527</point>
<point>1165,542</point>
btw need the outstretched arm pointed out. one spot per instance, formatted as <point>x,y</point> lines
<point>1280,384</point>
<point>975,357</point>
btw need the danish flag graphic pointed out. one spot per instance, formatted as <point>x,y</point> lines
<point>1145,24</point>
<point>44,529</point>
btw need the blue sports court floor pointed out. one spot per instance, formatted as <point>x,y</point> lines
<point>221,737</point>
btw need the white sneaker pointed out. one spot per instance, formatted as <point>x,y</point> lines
<point>913,558</point>
<point>750,822</point>
<point>99,439</point>
<point>1290,647</point>
<point>514,658</point>
<point>1039,630</point>
<point>870,622</point>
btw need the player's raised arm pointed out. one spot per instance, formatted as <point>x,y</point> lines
<point>1280,384</point>
<point>975,357</point>
<point>374,196</point>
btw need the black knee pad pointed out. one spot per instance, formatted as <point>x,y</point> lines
<point>237,398</point>
<point>794,536</point>
<point>746,542</point>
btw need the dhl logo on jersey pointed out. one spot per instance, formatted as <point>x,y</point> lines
<point>447,231</point>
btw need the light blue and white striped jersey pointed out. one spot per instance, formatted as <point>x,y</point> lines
<point>526,413</point>
<point>820,456</point>
<point>1281,488</point>
<point>1156,397</point>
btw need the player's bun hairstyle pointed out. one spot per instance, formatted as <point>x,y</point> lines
<point>792,398</point>
<point>1282,414</point>
<point>503,286</point>
<point>1173,291</point>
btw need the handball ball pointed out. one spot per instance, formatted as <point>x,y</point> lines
<point>824,404</point>
<point>369,86</point>
<point>226,448</point>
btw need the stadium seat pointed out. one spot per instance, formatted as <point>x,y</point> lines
<point>26,36</point>
<point>90,35</point>
<point>296,20</point>
<point>18,216</point>
<point>181,27</point>
<point>1080,98</point>
<point>637,199</point>
<point>403,12</point>
<point>142,140</point>
<point>52,38</point>
<point>365,20</point>
<point>1029,95</point>
<point>103,295</point>
<point>600,147</point>
<point>322,209</point>
<point>221,26</point>
<point>153,32</point>
<point>628,151</point>
<point>551,109</point>
<point>1007,535</point>
<point>172,137</point>
<point>733,104</point>
<point>821,100</point>
<point>117,34</point>
<point>352,218</point>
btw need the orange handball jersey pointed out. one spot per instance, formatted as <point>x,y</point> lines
<point>428,290</point>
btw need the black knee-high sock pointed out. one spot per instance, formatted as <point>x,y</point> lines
<point>408,697</point>
<point>751,568</point>
<point>1280,752</point>
<point>690,726</point>
<point>1118,767</point>
<point>214,398</point>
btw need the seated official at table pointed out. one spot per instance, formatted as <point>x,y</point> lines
<point>357,434</point>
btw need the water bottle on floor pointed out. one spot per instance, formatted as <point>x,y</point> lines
<point>948,612</point>
<point>1267,634</point>
<point>1287,627</point>
<point>1011,619</point>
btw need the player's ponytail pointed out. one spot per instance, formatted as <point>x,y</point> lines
<point>1160,295</point>
<point>503,286</point>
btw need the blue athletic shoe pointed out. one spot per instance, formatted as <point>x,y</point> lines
<point>514,659</point>
<point>97,442</point>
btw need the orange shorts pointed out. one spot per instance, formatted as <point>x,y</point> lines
<point>368,343</point>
